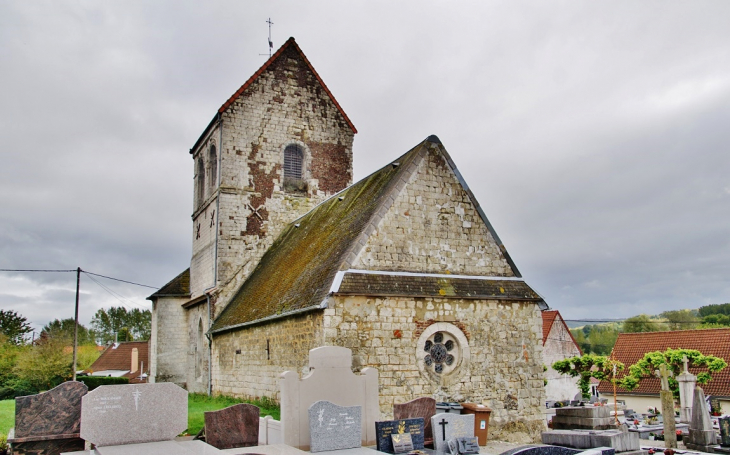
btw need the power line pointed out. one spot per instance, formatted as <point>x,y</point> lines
<point>85,271</point>
<point>117,279</point>
<point>117,296</point>
<point>36,270</point>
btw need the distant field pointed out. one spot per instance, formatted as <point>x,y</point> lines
<point>7,416</point>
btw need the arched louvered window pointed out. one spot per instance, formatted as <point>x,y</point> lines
<point>200,181</point>
<point>213,166</point>
<point>293,159</point>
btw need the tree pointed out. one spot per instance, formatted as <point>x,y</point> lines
<point>64,330</point>
<point>45,364</point>
<point>586,367</point>
<point>723,308</point>
<point>118,324</point>
<point>716,320</point>
<point>14,327</point>
<point>681,319</point>
<point>672,358</point>
<point>641,323</point>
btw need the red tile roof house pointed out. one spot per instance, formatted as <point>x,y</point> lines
<point>558,343</point>
<point>128,359</point>
<point>630,347</point>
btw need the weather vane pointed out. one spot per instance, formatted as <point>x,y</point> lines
<point>271,43</point>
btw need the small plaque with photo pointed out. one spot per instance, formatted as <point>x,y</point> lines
<point>402,443</point>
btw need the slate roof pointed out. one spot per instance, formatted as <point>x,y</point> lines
<point>120,358</point>
<point>177,287</point>
<point>296,273</point>
<point>290,43</point>
<point>374,284</point>
<point>548,319</point>
<point>630,347</point>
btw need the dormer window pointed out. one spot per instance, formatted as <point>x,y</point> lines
<point>294,181</point>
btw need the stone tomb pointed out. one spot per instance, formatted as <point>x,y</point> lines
<point>424,407</point>
<point>447,427</point>
<point>48,423</point>
<point>621,440</point>
<point>386,429</point>
<point>333,427</point>
<point>701,435</point>
<point>232,427</point>
<point>584,418</point>
<point>534,449</point>
<point>114,415</point>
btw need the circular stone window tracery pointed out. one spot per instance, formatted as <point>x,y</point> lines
<point>443,350</point>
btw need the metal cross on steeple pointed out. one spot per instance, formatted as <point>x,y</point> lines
<point>271,43</point>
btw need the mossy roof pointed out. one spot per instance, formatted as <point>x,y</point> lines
<point>177,287</point>
<point>296,272</point>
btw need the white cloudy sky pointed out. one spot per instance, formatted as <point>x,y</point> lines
<point>594,134</point>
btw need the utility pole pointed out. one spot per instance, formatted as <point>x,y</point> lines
<point>76,319</point>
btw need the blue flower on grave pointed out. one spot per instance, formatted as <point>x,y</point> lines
<point>438,352</point>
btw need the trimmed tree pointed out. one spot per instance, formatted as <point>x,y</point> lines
<point>672,358</point>
<point>586,367</point>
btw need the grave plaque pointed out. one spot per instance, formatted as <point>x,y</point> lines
<point>468,445</point>
<point>135,413</point>
<point>232,427</point>
<point>447,426</point>
<point>333,427</point>
<point>420,407</point>
<point>402,443</point>
<point>384,430</point>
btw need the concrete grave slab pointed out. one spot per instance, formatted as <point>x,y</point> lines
<point>136,413</point>
<point>447,426</point>
<point>333,427</point>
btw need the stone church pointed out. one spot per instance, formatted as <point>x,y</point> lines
<point>402,267</point>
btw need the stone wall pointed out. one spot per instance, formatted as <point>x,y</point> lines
<point>558,346</point>
<point>500,364</point>
<point>197,358</point>
<point>168,341</point>
<point>433,227</point>
<point>244,367</point>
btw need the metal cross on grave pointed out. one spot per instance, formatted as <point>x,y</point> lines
<point>443,424</point>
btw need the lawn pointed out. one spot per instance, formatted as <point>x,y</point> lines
<point>197,405</point>
<point>7,416</point>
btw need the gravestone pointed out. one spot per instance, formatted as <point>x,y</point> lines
<point>136,413</point>
<point>724,431</point>
<point>687,383</point>
<point>447,426</point>
<point>330,378</point>
<point>468,446</point>
<point>49,422</point>
<point>583,418</point>
<point>402,443</point>
<point>232,427</point>
<point>333,427</point>
<point>386,429</point>
<point>701,434</point>
<point>424,407</point>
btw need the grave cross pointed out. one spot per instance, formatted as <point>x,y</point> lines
<point>685,361</point>
<point>663,373</point>
<point>443,424</point>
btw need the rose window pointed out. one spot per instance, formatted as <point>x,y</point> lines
<point>440,352</point>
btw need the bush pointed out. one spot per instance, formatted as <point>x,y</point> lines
<point>17,388</point>
<point>93,382</point>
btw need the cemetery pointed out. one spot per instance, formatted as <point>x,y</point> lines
<point>329,410</point>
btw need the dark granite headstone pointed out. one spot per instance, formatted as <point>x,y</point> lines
<point>402,443</point>
<point>48,423</point>
<point>424,407</point>
<point>384,430</point>
<point>724,431</point>
<point>333,427</point>
<point>232,427</point>
<point>468,445</point>
<point>532,449</point>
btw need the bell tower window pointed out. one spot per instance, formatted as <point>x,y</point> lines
<point>213,166</point>
<point>294,181</point>
<point>200,182</point>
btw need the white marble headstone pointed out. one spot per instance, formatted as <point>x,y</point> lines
<point>333,427</point>
<point>135,413</point>
<point>447,426</point>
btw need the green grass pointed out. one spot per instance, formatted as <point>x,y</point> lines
<point>7,416</point>
<point>199,403</point>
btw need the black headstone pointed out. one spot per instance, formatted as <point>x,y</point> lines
<point>384,430</point>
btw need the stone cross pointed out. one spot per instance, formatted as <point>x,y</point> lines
<point>663,373</point>
<point>685,361</point>
<point>443,424</point>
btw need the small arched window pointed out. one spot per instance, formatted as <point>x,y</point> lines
<point>200,181</point>
<point>213,166</point>
<point>293,158</point>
